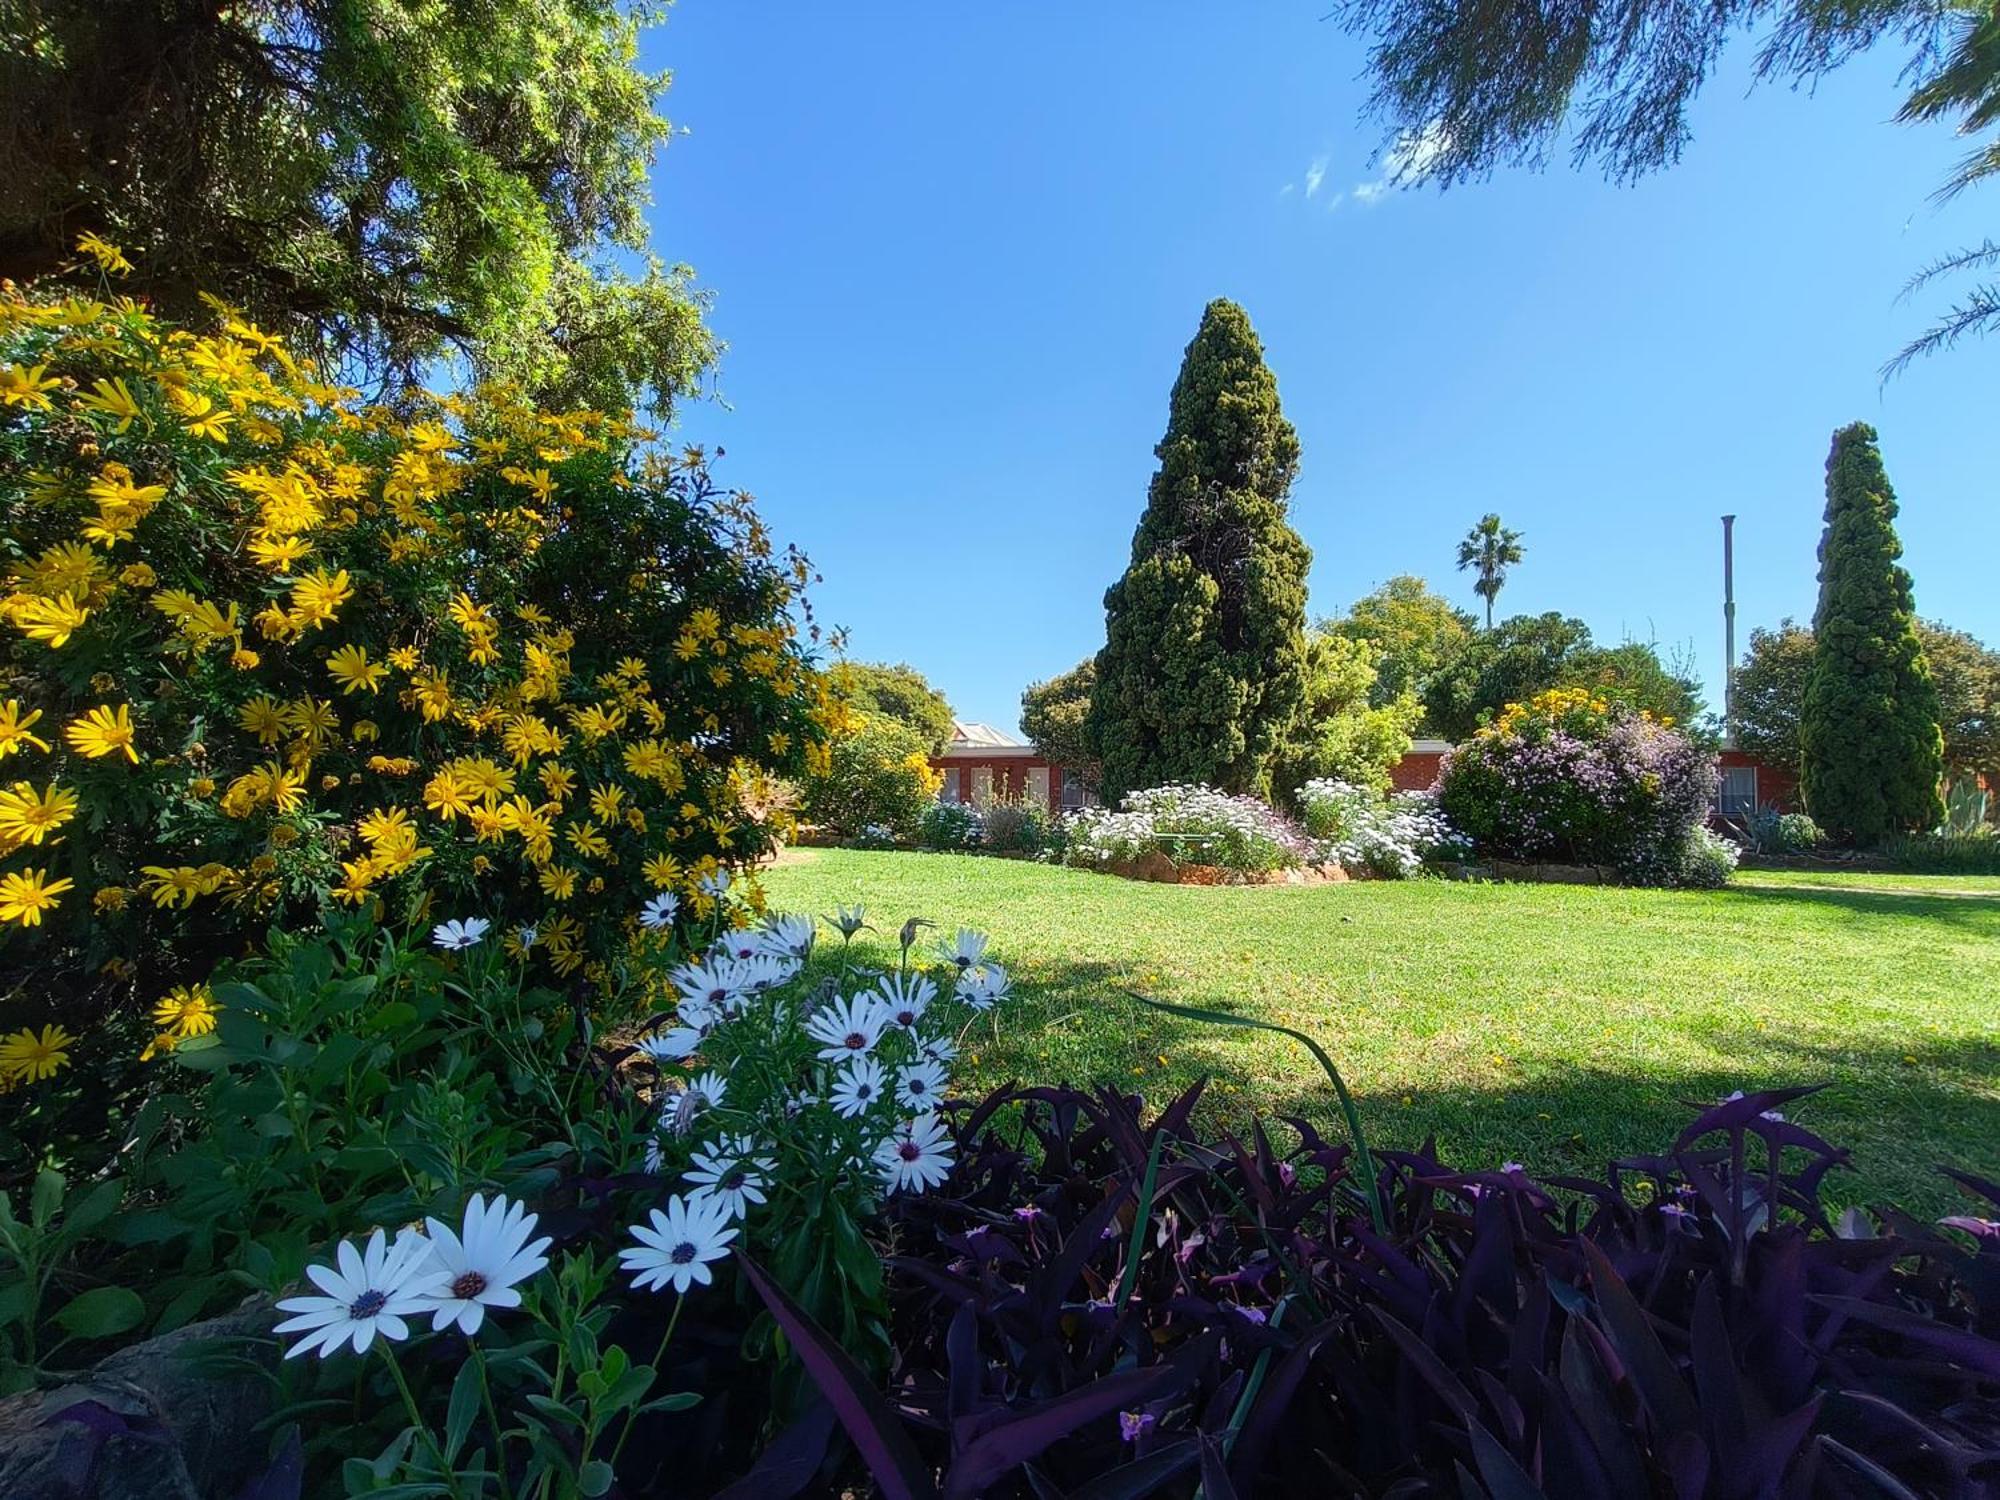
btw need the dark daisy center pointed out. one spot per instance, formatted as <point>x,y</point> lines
<point>910,1151</point>
<point>718,997</point>
<point>682,1253</point>
<point>864,1090</point>
<point>367,1305</point>
<point>734,1178</point>
<point>467,1285</point>
<point>915,1085</point>
<point>855,1042</point>
<point>906,1018</point>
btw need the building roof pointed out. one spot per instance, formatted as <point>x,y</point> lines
<point>969,732</point>
<point>1430,747</point>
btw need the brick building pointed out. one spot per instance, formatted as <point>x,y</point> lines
<point>982,764</point>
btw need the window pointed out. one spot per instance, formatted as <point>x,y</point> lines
<point>1737,797</point>
<point>982,786</point>
<point>948,792</point>
<point>1038,785</point>
<point>1075,794</point>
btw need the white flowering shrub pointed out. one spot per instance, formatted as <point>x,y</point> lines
<point>1360,830</point>
<point>797,1093</point>
<point>1190,825</point>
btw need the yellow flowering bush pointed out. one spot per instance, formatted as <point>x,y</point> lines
<point>265,645</point>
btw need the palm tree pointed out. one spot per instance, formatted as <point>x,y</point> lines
<point>1492,549</point>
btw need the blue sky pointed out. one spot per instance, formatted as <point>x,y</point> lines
<point>957,253</point>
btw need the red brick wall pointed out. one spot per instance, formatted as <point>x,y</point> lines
<point>1417,771</point>
<point>1010,775</point>
<point>1777,786</point>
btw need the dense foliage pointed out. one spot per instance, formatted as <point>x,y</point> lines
<point>1096,1304</point>
<point>898,692</point>
<point>1412,634</point>
<point>1204,663</point>
<point>1190,825</point>
<point>877,781</point>
<point>1771,690</point>
<point>1341,733</point>
<point>1530,654</point>
<point>269,647</point>
<point>379,182</point>
<point>1055,716</point>
<point>1871,754</point>
<point>1575,778</point>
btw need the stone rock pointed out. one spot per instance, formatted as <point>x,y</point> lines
<point>148,1423</point>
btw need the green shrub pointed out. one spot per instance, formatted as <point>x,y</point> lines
<point>948,826</point>
<point>1945,853</point>
<point>1707,861</point>
<point>876,782</point>
<point>1017,826</point>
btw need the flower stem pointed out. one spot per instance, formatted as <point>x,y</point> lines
<point>493,1416</point>
<point>445,1470</point>
<point>659,1354</point>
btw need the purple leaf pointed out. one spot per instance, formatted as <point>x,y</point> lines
<point>1012,1442</point>
<point>789,1461</point>
<point>872,1426</point>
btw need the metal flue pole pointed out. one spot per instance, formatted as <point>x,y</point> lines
<point>1729,631</point>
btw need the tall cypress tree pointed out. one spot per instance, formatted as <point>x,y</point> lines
<point>1871,752</point>
<point>1203,669</point>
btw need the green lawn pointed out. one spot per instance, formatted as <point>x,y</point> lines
<point>1557,1026</point>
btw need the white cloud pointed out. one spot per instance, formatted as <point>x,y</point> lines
<point>1408,162</point>
<point>1288,189</point>
<point>1315,175</point>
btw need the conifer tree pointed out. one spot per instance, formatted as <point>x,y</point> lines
<point>1871,752</point>
<point>1203,668</point>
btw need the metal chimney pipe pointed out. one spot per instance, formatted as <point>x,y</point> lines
<point>1729,631</point>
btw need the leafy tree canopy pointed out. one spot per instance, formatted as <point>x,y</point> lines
<point>1413,632</point>
<point>1055,716</point>
<point>1529,654</point>
<point>898,692</point>
<point>1771,690</point>
<point>1467,88</point>
<point>384,181</point>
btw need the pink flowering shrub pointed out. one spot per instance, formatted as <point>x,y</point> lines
<point>1569,776</point>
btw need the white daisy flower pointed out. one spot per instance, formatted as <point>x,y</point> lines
<point>789,937</point>
<point>905,998</point>
<point>938,1049</point>
<point>484,1259</point>
<point>677,1246</point>
<point>764,971</point>
<point>370,1293</point>
<point>920,1085</point>
<point>528,934</point>
<point>847,1028</point>
<point>848,920</point>
<point>452,936</point>
<point>659,912</point>
<point>671,1046</point>
<point>916,1157</point>
<point>741,944</point>
<point>860,1084</point>
<point>984,987</point>
<point>716,885</point>
<point>963,950</point>
<point>686,1104</point>
<point>713,983</point>
<point>731,1173</point>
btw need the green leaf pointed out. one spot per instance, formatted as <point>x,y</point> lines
<point>463,1409</point>
<point>676,1401</point>
<point>46,1198</point>
<point>102,1312</point>
<point>94,1208</point>
<point>594,1479</point>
